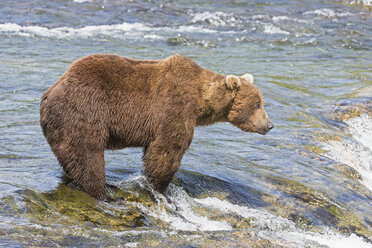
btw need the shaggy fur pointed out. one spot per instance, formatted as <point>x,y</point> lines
<point>111,102</point>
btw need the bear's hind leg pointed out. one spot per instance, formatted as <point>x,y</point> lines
<point>93,179</point>
<point>87,169</point>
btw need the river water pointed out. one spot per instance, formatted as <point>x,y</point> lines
<point>308,183</point>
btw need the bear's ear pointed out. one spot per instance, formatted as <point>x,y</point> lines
<point>248,77</point>
<point>232,82</point>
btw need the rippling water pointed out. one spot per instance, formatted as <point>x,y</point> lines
<point>308,183</point>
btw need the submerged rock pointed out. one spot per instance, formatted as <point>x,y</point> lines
<point>317,206</point>
<point>345,111</point>
<point>73,206</point>
<point>244,238</point>
<point>180,40</point>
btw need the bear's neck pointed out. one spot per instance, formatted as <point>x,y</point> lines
<point>215,105</point>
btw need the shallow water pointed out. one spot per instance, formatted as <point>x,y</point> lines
<point>305,184</point>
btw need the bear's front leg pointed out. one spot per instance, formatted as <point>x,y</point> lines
<point>162,159</point>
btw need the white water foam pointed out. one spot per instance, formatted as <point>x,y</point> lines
<point>83,1</point>
<point>281,229</point>
<point>68,33</point>
<point>122,31</point>
<point>363,2</point>
<point>260,17</point>
<point>216,19</point>
<point>258,218</point>
<point>184,218</point>
<point>271,29</point>
<point>355,151</point>
<point>288,19</point>
<point>327,239</point>
<point>361,129</point>
<point>327,13</point>
<point>267,226</point>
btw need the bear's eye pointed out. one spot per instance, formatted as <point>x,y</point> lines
<point>258,105</point>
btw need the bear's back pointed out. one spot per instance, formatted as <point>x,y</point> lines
<point>111,72</point>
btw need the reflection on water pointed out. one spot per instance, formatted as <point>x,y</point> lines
<point>305,184</point>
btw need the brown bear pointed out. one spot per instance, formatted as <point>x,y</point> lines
<point>106,101</point>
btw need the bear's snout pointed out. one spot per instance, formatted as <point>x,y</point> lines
<point>270,126</point>
<point>262,122</point>
<point>266,129</point>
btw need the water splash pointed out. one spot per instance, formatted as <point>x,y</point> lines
<point>119,31</point>
<point>216,19</point>
<point>355,151</point>
<point>211,214</point>
<point>271,29</point>
<point>327,13</point>
<point>363,2</point>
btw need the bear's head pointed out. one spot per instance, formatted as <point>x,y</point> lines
<point>247,111</point>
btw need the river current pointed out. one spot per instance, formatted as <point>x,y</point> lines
<point>308,183</point>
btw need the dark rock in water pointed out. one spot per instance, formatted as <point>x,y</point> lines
<point>178,40</point>
<point>348,171</point>
<point>198,185</point>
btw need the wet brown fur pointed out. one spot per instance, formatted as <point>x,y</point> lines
<point>111,102</point>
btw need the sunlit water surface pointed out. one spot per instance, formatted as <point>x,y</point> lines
<point>308,183</point>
